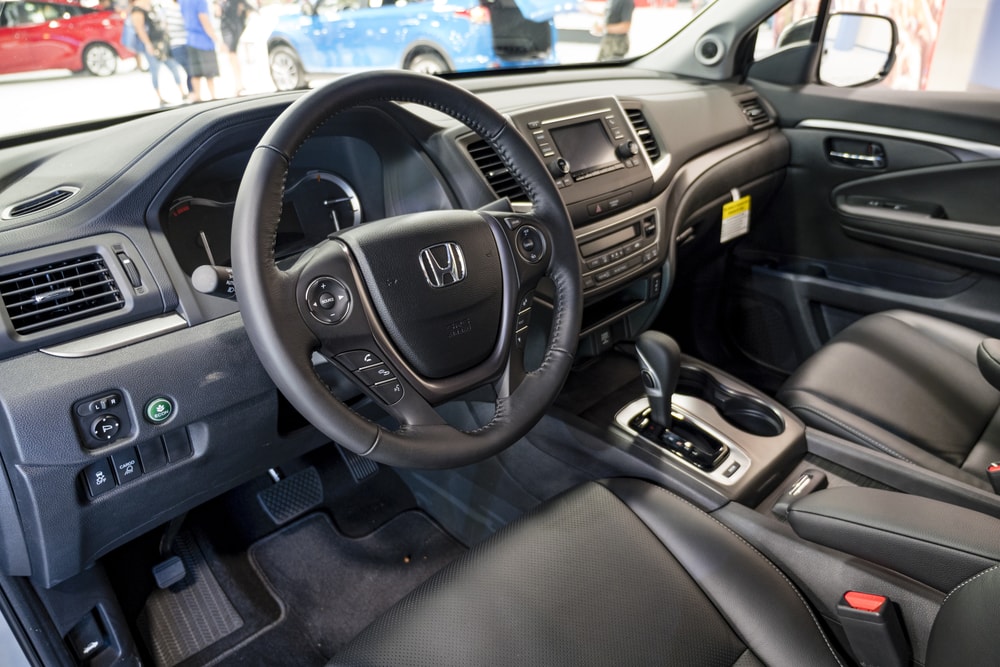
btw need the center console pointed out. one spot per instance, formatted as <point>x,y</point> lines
<point>605,179</point>
<point>698,419</point>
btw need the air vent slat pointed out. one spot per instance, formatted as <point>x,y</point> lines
<point>59,293</point>
<point>63,299</point>
<point>39,203</point>
<point>755,113</point>
<point>644,133</point>
<point>496,173</point>
<point>99,272</point>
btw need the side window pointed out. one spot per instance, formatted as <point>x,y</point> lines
<point>8,18</point>
<point>33,13</point>
<point>943,46</point>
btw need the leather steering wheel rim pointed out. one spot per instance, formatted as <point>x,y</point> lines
<point>286,349</point>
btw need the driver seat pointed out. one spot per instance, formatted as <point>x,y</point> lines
<point>625,572</point>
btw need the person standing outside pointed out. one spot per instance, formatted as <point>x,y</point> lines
<point>153,42</point>
<point>173,21</point>
<point>614,29</point>
<point>233,23</point>
<point>203,65</point>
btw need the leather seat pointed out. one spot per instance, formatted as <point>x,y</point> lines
<point>623,572</point>
<point>617,573</point>
<point>907,385</point>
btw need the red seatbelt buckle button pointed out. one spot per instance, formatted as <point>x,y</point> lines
<point>874,630</point>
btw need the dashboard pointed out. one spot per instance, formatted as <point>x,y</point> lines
<point>129,390</point>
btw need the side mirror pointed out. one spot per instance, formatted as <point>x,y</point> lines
<point>858,49</point>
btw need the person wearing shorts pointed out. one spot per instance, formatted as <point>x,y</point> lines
<point>203,65</point>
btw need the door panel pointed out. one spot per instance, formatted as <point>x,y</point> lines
<point>891,200</point>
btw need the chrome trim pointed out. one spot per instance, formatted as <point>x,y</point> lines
<point>986,150</point>
<point>736,453</point>
<point>436,272</point>
<point>577,116</point>
<point>114,339</point>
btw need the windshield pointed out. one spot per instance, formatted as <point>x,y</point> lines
<point>67,61</point>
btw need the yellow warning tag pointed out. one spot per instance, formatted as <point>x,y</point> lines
<point>735,219</point>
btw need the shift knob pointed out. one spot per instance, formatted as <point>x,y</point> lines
<point>660,359</point>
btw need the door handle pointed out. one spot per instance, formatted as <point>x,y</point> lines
<point>862,154</point>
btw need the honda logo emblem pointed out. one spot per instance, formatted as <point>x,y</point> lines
<point>443,264</point>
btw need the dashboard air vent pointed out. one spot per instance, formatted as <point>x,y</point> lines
<point>641,128</point>
<point>497,175</point>
<point>39,203</point>
<point>59,293</point>
<point>755,113</point>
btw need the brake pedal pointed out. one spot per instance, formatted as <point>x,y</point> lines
<point>292,496</point>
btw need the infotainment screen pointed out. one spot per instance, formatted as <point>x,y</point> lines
<point>586,146</point>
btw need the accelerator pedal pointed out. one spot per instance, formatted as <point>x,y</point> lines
<point>361,468</point>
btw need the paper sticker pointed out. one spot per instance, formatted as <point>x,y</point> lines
<point>735,219</point>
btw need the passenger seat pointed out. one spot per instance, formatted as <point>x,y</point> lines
<point>908,385</point>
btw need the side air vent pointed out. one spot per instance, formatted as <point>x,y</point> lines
<point>755,113</point>
<point>59,293</point>
<point>645,134</point>
<point>497,175</point>
<point>39,203</point>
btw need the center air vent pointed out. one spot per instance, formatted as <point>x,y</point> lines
<point>497,175</point>
<point>641,128</point>
<point>755,113</point>
<point>59,293</point>
<point>39,203</point>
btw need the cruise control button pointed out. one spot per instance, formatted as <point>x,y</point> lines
<point>106,428</point>
<point>356,359</point>
<point>390,392</point>
<point>530,244</point>
<point>97,478</point>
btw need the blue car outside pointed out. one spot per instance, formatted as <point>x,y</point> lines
<point>431,36</point>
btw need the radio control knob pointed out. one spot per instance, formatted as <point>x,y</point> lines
<point>559,167</point>
<point>628,149</point>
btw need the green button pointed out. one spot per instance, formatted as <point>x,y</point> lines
<point>159,410</point>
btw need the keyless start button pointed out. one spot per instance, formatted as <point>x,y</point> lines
<point>159,410</point>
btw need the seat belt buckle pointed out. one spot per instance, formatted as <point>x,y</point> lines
<point>874,630</point>
<point>993,472</point>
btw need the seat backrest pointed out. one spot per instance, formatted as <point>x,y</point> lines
<point>967,627</point>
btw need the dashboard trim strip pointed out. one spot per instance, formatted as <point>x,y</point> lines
<point>986,150</point>
<point>107,341</point>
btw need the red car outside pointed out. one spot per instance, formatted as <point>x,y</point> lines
<point>41,35</point>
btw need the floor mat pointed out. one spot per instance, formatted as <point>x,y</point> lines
<point>332,586</point>
<point>187,617</point>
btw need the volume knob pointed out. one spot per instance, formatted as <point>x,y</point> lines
<point>559,167</point>
<point>628,149</point>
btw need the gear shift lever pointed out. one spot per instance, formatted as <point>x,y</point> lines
<point>661,364</point>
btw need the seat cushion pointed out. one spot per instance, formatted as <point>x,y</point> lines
<point>908,385</point>
<point>616,573</point>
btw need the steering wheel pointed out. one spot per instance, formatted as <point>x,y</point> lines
<point>416,308</point>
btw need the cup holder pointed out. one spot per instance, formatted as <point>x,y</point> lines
<point>743,411</point>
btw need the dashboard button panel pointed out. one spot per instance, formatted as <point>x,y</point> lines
<point>102,419</point>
